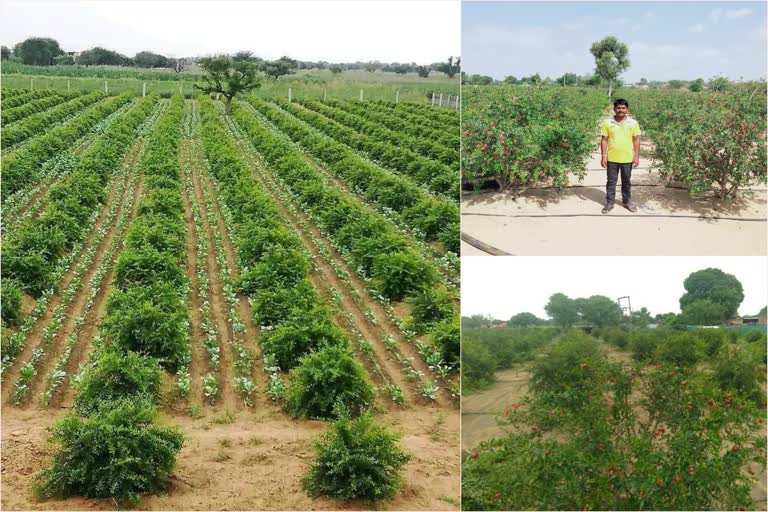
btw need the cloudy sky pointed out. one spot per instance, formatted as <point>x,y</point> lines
<point>666,40</point>
<point>504,286</point>
<point>340,31</point>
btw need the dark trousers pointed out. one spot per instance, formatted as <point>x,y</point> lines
<point>613,175</point>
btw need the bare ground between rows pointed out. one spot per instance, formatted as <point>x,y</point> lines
<point>261,469</point>
<point>227,396</point>
<point>384,325</point>
<point>35,335</point>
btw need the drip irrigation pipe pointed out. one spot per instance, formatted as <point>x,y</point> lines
<point>649,215</point>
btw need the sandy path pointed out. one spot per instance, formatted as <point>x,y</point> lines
<point>521,225</point>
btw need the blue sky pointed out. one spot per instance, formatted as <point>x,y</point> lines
<point>666,40</point>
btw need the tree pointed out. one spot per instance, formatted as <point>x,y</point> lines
<point>178,65</point>
<point>475,321</point>
<point>479,80</point>
<point>535,80</point>
<point>719,84</point>
<point>423,71</point>
<point>675,84</point>
<point>563,310</point>
<point>643,81</point>
<point>641,318</point>
<point>599,311</point>
<point>64,60</point>
<point>5,53</point>
<point>401,69</point>
<point>702,312</point>
<point>335,69</point>
<point>227,77</point>
<point>38,51</point>
<point>244,55</point>
<point>611,59</point>
<point>280,67</point>
<point>450,67</point>
<point>372,66</point>
<point>567,79</point>
<point>714,285</point>
<point>102,57</point>
<point>511,80</point>
<point>697,85</point>
<point>150,60</point>
<point>524,320</point>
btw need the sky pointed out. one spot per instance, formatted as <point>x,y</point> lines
<point>504,286</point>
<point>666,40</point>
<point>336,31</point>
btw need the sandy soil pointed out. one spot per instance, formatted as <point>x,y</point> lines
<point>255,463</point>
<point>521,225</point>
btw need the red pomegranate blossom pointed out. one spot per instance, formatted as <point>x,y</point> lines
<point>583,366</point>
<point>474,455</point>
<point>660,483</point>
<point>691,471</point>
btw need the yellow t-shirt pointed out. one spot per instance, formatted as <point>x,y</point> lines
<point>620,149</point>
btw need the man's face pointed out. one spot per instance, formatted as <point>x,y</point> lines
<point>620,110</point>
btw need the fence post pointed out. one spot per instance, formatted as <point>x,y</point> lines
<point>181,88</point>
<point>325,94</point>
<point>69,85</point>
<point>290,96</point>
<point>441,99</point>
<point>31,84</point>
<point>106,87</point>
<point>361,95</point>
<point>457,102</point>
<point>144,89</point>
<point>433,99</point>
<point>397,96</point>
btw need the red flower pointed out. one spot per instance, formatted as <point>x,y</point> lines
<point>684,383</point>
<point>613,404</point>
<point>711,402</point>
<point>583,366</point>
<point>546,453</point>
<point>760,421</point>
<point>474,455</point>
<point>600,446</point>
<point>691,471</point>
<point>552,412</point>
<point>660,483</point>
<point>672,372</point>
<point>516,406</point>
<point>735,448</point>
<point>677,478</point>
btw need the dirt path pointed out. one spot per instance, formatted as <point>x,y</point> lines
<point>116,194</point>
<point>570,222</point>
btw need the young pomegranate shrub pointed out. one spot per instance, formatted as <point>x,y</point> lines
<point>304,333</point>
<point>115,376</point>
<point>10,302</point>
<point>356,459</point>
<point>117,453</point>
<point>325,380</point>
<point>597,435</point>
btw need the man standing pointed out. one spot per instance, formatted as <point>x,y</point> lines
<point>620,150</point>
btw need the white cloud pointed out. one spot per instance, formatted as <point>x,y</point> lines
<point>698,27</point>
<point>737,13</point>
<point>715,15</point>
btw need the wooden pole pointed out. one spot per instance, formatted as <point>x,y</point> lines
<point>397,96</point>
<point>290,96</point>
<point>441,99</point>
<point>144,89</point>
<point>433,99</point>
<point>361,95</point>
<point>106,87</point>
<point>69,85</point>
<point>31,84</point>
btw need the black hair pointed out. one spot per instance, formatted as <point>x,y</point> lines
<point>620,101</point>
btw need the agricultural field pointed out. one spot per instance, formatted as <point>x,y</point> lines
<point>531,155</point>
<point>239,289</point>
<point>614,420</point>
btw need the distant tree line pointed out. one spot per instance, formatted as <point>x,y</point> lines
<point>41,51</point>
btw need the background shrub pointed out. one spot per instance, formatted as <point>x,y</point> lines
<point>11,302</point>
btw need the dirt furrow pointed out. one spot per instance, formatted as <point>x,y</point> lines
<point>65,396</point>
<point>251,329</point>
<point>78,303</point>
<point>218,303</point>
<point>373,333</point>
<point>35,335</point>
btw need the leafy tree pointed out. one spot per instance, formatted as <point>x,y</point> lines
<point>642,317</point>
<point>99,56</point>
<point>280,67</point>
<point>5,53</point>
<point>611,59</point>
<point>479,80</point>
<point>244,55</point>
<point>423,71</point>
<point>372,66</point>
<point>64,60</point>
<point>511,80</point>
<point>600,311</point>
<point>450,67</point>
<point>336,69</point>
<point>150,60</point>
<point>475,321</point>
<point>401,69</point>
<point>567,79</point>
<point>227,77</point>
<point>356,458</point>
<point>643,81</point>
<point>524,320</point>
<point>702,312</point>
<point>675,84</point>
<point>38,51</point>
<point>563,310</point>
<point>718,84</point>
<point>716,286</point>
<point>697,85</point>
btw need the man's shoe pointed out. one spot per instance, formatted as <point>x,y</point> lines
<point>607,208</point>
<point>631,207</point>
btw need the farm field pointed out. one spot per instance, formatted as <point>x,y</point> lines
<point>523,421</point>
<point>534,185</point>
<point>275,260</point>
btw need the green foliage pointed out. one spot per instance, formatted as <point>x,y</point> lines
<point>306,332</point>
<point>736,371</point>
<point>325,379</point>
<point>37,51</point>
<point>681,349</point>
<point>563,310</point>
<point>714,285</point>
<point>477,365</point>
<point>227,77</point>
<point>643,346</point>
<point>10,301</point>
<point>599,311</point>
<point>356,459</point>
<point>115,376</point>
<point>146,266</point>
<point>275,305</point>
<point>400,274</point>
<point>611,59</point>
<point>524,320</point>
<point>446,336</point>
<point>117,453</point>
<point>430,307</point>
<point>279,267</point>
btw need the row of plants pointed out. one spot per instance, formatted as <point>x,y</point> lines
<point>6,93</point>
<point>381,255</point>
<point>21,168</point>
<point>522,137</point>
<point>402,122</point>
<point>16,114</point>
<point>435,176</point>
<point>600,435</point>
<point>706,141</point>
<point>437,219</point>
<point>32,251</point>
<point>25,96</point>
<point>298,333</point>
<point>42,122</point>
<point>438,118</point>
<point>421,144</point>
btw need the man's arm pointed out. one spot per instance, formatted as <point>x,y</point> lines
<point>603,152</point>
<point>636,147</point>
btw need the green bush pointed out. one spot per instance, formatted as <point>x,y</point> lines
<point>446,336</point>
<point>430,307</point>
<point>255,240</point>
<point>145,266</point>
<point>477,365</point>
<point>115,376</point>
<point>356,458</point>
<point>279,267</point>
<point>307,332</point>
<point>399,274</point>
<point>10,301</point>
<point>272,306</point>
<point>736,371</point>
<point>117,453</point>
<point>681,349</point>
<point>643,345</point>
<point>326,379</point>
